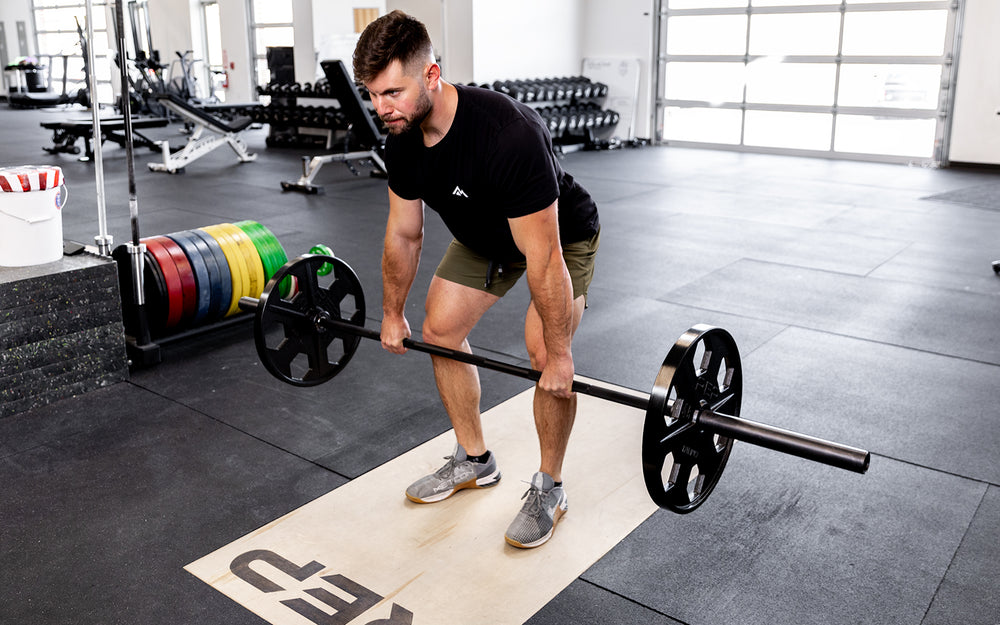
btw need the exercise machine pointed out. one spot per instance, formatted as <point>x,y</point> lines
<point>23,96</point>
<point>66,133</point>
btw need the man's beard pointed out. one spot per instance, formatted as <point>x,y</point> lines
<point>423,109</point>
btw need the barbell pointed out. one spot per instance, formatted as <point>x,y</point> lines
<point>691,416</point>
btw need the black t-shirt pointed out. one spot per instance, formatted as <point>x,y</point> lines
<point>496,162</point>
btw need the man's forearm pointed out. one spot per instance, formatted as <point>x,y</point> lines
<point>400,258</point>
<point>552,294</point>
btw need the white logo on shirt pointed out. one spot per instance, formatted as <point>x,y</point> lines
<point>459,193</point>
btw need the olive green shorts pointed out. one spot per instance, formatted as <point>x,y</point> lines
<point>465,267</point>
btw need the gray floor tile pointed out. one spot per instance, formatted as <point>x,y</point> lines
<point>783,541</point>
<point>100,517</point>
<point>953,323</point>
<point>947,266</point>
<point>926,409</point>
<point>935,223</point>
<point>731,204</point>
<point>623,340</point>
<point>378,407</point>
<point>585,603</point>
<point>967,594</point>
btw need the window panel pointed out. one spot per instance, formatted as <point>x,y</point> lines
<point>73,69</point>
<point>774,30</point>
<point>263,73</point>
<point>103,71</point>
<point>705,4</point>
<point>100,21</point>
<point>879,135</point>
<point>43,4</point>
<point>794,33</point>
<point>775,129</point>
<point>895,33</point>
<point>707,34</point>
<point>272,11</point>
<point>898,86</point>
<point>58,43</point>
<point>705,82</point>
<point>56,33</point>
<point>701,124</point>
<point>785,3</point>
<point>266,37</point>
<point>60,19</point>
<point>105,93</point>
<point>55,69</point>
<point>770,82</point>
<point>213,28</point>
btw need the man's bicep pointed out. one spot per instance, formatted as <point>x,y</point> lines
<point>536,234</point>
<point>406,217</point>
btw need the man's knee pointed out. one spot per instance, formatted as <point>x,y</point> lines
<point>441,328</point>
<point>452,310</point>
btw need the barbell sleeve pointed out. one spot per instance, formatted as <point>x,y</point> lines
<point>786,441</point>
<point>248,304</point>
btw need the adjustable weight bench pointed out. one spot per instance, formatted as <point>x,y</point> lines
<point>362,131</point>
<point>198,145</point>
<point>65,134</point>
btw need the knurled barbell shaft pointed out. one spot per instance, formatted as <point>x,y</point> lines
<point>760,434</point>
<point>610,394</point>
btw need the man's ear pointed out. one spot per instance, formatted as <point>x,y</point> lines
<point>432,76</point>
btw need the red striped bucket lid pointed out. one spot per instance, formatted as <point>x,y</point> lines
<point>24,178</point>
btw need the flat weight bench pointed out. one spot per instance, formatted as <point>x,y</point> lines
<point>65,134</point>
<point>197,144</point>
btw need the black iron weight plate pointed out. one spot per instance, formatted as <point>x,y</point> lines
<point>291,341</point>
<point>682,461</point>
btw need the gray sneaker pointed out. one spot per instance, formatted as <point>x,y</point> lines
<point>456,474</point>
<point>545,504</point>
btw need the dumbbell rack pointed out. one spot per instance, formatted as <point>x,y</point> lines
<point>570,106</point>
<point>286,116</point>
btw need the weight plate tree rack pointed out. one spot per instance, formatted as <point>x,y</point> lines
<point>194,279</point>
<point>691,416</point>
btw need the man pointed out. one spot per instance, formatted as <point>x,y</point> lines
<point>485,163</point>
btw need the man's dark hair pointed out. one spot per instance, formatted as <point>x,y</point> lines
<point>392,37</point>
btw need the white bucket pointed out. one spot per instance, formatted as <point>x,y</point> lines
<point>31,201</point>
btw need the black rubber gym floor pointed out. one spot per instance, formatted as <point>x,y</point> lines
<point>861,296</point>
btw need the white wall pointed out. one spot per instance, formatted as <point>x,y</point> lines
<point>235,49</point>
<point>477,40</point>
<point>526,39</point>
<point>975,130</point>
<point>170,28</point>
<point>427,11</point>
<point>457,58</point>
<point>12,12</point>
<point>623,30</point>
<point>333,31</point>
<point>303,43</point>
